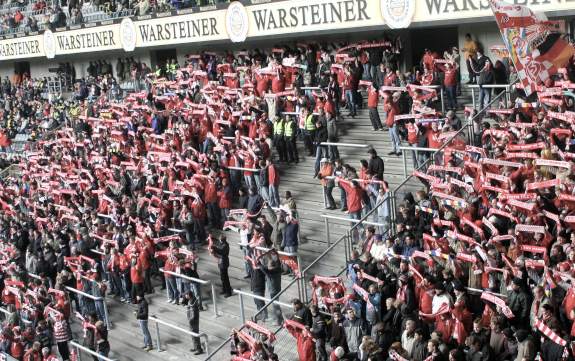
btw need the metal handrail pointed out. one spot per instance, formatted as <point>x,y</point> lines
<point>241,295</point>
<point>8,313</point>
<point>197,280</point>
<point>348,145</point>
<point>94,298</point>
<point>352,220</point>
<point>275,298</point>
<point>244,169</point>
<point>91,352</point>
<point>177,328</point>
<point>490,86</point>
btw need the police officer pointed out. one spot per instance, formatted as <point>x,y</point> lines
<point>289,136</point>
<point>309,132</point>
<point>278,138</point>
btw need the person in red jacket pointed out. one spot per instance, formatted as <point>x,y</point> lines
<point>137,277</point>
<point>354,195</point>
<point>450,84</point>
<point>34,353</point>
<point>274,183</point>
<point>171,265</point>
<point>413,140</point>
<point>305,343</point>
<point>392,109</point>
<point>211,200</point>
<point>372,100</point>
<point>225,199</point>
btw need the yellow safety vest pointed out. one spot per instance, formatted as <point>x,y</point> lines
<point>278,127</point>
<point>289,129</point>
<point>309,125</point>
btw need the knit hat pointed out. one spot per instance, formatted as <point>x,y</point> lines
<point>339,352</point>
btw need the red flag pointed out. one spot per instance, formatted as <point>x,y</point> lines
<point>536,48</point>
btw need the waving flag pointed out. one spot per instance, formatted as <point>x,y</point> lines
<point>535,46</point>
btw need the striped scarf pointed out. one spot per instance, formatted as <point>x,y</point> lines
<point>549,333</point>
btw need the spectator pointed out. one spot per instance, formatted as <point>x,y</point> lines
<point>142,317</point>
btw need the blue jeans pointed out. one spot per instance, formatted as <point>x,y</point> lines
<point>146,332</point>
<point>264,193</point>
<point>451,92</point>
<point>100,310</point>
<point>343,198</point>
<point>321,151</point>
<point>333,152</point>
<point>417,160</point>
<point>274,196</point>
<point>395,141</point>
<point>356,232</point>
<point>173,293</point>
<point>349,99</point>
<point>250,183</point>
<point>484,96</point>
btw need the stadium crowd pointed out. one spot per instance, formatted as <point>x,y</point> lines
<point>32,16</point>
<point>123,191</point>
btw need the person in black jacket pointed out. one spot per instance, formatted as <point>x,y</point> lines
<point>221,250</point>
<point>193,315</point>
<point>142,317</point>
<point>301,314</point>
<point>321,150</point>
<point>375,165</point>
<point>319,332</point>
<point>272,268</point>
<point>258,287</point>
<point>264,182</point>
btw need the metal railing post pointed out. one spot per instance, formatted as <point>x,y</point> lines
<point>345,250</point>
<point>304,287</point>
<point>158,342</point>
<point>299,289</point>
<point>404,164</point>
<point>206,344</point>
<point>214,300</point>
<point>326,221</point>
<point>242,314</point>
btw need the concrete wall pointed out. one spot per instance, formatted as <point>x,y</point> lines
<point>486,35</point>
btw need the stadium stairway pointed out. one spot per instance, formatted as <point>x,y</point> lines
<point>308,194</point>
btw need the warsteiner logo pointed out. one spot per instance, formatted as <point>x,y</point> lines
<point>128,34</point>
<point>237,22</point>
<point>397,13</point>
<point>49,44</point>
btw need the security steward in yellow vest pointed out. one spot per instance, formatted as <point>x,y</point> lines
<point>309,133</point>
<point>290,129</point>
<point>278,138</point>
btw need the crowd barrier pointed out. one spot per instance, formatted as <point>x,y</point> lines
<point>284,297</point>
<point>506,87</point>
<point>159,322</point>
<point>84,294</point>
<point>241,294</point>
<point>77,347</point>
<point>199,281</point>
